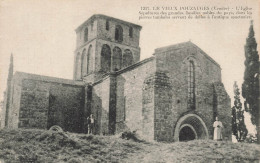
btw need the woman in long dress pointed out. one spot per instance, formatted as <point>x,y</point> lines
<point>217,130</point>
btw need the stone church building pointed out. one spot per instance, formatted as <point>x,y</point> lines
<point>174,95</point>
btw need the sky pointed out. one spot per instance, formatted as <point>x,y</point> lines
<point>41,34</point>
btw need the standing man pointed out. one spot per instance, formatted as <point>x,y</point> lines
<point>217,130</point>
<point>90,124</point>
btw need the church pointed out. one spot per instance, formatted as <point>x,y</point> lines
<point>174,95</point>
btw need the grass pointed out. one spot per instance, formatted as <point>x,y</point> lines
<point>31,145</point>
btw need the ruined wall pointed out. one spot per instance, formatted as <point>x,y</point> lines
<point>100,105</point>
<point>41,102</point>
<point>131,107</point>
<point>14,104</point>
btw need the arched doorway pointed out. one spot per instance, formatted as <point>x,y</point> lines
<point>187,132</point>
<point>190,127</point>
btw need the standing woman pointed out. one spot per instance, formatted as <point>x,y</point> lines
<point>217,130</point>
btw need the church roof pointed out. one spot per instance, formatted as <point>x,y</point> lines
<point>93,17</point>
<point>184,45</point>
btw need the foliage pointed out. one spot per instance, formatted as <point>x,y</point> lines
<point>250,86</point>
<point>238,124</point>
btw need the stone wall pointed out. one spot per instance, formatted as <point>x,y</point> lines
<point>130,105</point>
<point>100,105</point>
<point>163,119</point>
<point>223,109</point>
<point>92,26</point>
<point>174,61</point>
<point>134,50</point>
<point>109,35</point>
<point>41,102</point>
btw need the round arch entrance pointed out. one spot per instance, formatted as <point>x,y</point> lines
<point>190,127</point>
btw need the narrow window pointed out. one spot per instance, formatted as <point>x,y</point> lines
<point>124,111</point>
<point>86,34</point>
<point>116,59</point>
<point>107,25</point>
<point>84,58</point>
<point>105,58</point>
<point>127,58</point>
<point>131,32</point>
<point>119,33</point>
<point>92,24</point>
<point>191,85</point>
<point>78,66</point>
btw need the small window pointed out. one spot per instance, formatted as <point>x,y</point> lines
<point>92,24</point>
<point>107,25</point>
<point>131,32</point>
<point>119,33</point>
<point>86,34</point>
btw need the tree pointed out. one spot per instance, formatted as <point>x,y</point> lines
<point>250,86</point>
<point>238,124</point>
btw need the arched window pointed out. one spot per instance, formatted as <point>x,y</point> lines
<point>116,59</point>
<point>105,58</point>
<point>127,58</point>
<point>90,60</point>
<point>107,25</point>
<point>191,86</point>
<point>84,59</point>
<point>86,34</point>
<point>131,32</point>
<point>78,66</point>
<point>119,33</point>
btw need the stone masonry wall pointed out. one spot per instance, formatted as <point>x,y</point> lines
<point>222,101</point>
<point>100,105</point>
<point>44,104</point>
<point>163,119</point>
<point>14,101</point>
<point>148,108</point>
<point>130,103</point>
<point>174,61</point>
<point>109,35</point>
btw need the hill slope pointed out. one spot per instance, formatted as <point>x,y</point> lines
<point>46,146</point>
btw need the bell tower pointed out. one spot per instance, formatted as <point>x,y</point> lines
<point>105,44</point>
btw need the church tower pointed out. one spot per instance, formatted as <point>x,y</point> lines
<point>105,44</point>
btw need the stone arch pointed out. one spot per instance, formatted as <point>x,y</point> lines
<point>193,121</point>
<point>127,58</point>
<point>116,59</point>
<point>84,59</point>
<point>184,126</point>
<point>86,34</point>
<point>90,60</point>
<point>78,66</point>
<point>105,58</point>
<point>119,33</point>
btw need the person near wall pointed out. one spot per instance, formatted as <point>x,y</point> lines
<point>217,130</point>
<point>90,124</point>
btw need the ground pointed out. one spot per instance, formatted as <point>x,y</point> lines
<point>49,146</point>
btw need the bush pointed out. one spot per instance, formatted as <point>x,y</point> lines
<point>128,135</point>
